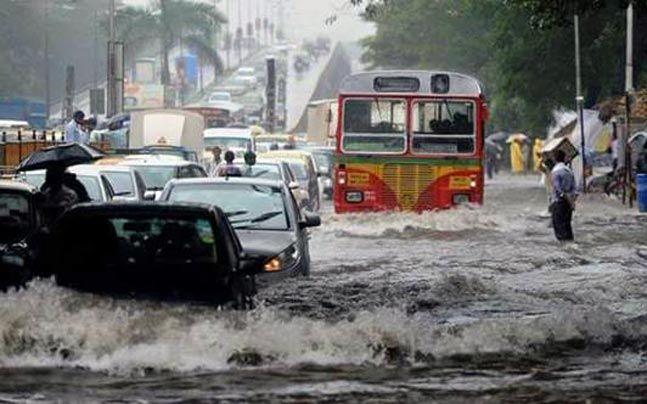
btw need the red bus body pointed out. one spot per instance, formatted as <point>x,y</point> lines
<point>408,180</point>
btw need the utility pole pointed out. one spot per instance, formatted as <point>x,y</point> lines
<point>629,88</point>
<point>46,64</point>
<point>578,97</point>
<point>111,84</point>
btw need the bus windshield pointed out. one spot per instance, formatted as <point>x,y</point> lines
<point>374,126</point>
<point>443,127</point>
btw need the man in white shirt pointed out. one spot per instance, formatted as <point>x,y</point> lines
<point>74,131</point>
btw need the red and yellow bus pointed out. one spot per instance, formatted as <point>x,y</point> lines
<point>410,141</point>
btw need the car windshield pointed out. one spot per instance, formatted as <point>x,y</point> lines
<point>248,206</point>
<point>15,219</point>
<point>265,171</point>
<point>228,142</point>
<point>299,170</point>
<point>122,182</point>
<point>156,177</point>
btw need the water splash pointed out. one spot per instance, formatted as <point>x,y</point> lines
<point>51,326</point>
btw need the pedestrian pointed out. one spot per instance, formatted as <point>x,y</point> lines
<point>216,160</point>
<point>75,129</point>
<point>562,198</point>
<point>57,197</point>
<point>614,152</point>
<point>229,169</point>
<point>536,154</point>
<point>517,159</point>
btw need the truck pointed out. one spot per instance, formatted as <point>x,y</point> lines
<point>322,122</point>
<point>167,127</point>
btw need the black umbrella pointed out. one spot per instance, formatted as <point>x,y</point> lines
<point>63,155</point>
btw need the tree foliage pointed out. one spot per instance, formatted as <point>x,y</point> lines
<point>523,50</point>
<point>171,22</point>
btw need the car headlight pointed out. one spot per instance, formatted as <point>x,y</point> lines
<point>285,259</point>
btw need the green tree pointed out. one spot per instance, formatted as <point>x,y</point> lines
<point>521,49</point>
<point>172,21</point>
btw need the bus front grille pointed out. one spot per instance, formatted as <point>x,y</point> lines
<point>408,183</point>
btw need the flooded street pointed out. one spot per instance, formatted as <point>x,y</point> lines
<point>475,303</point>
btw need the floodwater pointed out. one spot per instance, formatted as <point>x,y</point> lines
<point>477,304</point>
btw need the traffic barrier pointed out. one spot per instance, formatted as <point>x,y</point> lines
<point>641,184</point>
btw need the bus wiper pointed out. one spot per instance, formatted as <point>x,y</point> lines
<point>261,218</point>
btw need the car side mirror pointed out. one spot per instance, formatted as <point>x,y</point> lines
<point>310,220</point>
<point>149,195</point>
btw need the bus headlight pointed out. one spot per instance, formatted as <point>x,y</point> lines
<point>354,196</point>
<point>460,199</point>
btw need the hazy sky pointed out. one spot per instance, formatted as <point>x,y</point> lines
<point>303,18</point>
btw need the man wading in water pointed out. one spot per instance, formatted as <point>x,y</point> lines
<point>562,198</point>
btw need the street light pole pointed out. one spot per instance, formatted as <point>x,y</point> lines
<point>578,97</point>
<point>629,87</point>
<point>111,93</point>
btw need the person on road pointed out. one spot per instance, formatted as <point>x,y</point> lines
<point>517,159</point>
<point>229,169</point>
<point>75,129</point>
<point>536,154</point>
<point>57,197</point>
<point>212,166</point>
<point>562,198</point>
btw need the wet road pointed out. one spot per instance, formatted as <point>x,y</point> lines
<point>469,304</point>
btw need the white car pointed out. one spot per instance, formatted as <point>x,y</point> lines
<point>156,171</point>
<point>246,71</point>
<point>127,183</point>
<point>96,184</point>
<point>219,97</point>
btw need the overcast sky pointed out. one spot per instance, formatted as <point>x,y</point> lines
<point>303,18</point>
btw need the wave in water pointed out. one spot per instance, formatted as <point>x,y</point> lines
<point>51,326</point>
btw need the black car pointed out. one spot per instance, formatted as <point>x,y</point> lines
<point>264,214</point>
<point>19,219</point>
<point>187,252</point>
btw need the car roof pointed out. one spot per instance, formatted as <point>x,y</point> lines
<point>152,162</point>
<point>288,155</point>
<point>273,162</point>
<point>228,132</point>
<point>77,171</point>
<point>228,180</point>
<point>17,186</point>
<point>102,168</point>
<point>118,207</point>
